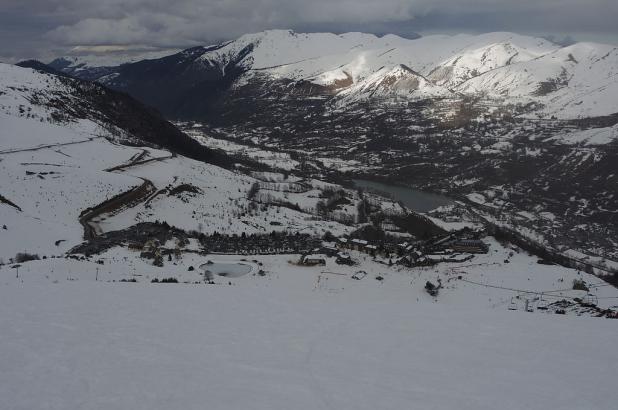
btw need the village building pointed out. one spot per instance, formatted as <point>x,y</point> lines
<point>425,261</point>
<point>406,260</point>
<point>469,246</point>
<point>435,258</point>
<point>135,245</point>
<point>390,248</point>
<point>344,258</point>
<point>314,260</point>
<point>329,249</point>
<point>371,249</point>
<point>358,244</point>
<point>388,225</point>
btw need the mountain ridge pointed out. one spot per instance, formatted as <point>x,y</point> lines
<point>464,64</point>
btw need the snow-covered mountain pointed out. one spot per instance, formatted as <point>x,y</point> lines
<point>576,81</point>
<point>568,82</point>
<point>473,63</point>
<point>92,65</point>
<point>399,81</point>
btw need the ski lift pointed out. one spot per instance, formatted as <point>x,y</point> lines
<point>529,306</point>
<point>513,304</point>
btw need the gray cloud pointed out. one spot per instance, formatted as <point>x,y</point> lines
<point>40,28</point>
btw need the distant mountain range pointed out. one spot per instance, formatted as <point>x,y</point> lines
<point>504,68</point>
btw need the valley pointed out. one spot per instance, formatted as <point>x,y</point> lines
<point>307,221</point>
<point>525,177</point>
<point>515,128</point>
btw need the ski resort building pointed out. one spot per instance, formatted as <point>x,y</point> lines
<point>314,260</point>
<point>469,246</point>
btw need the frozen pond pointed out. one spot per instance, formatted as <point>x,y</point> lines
<point>414,199</point>
<point>230,270</point>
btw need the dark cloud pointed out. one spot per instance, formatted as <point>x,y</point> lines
<point>43,28</point>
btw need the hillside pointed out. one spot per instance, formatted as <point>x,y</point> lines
<point>462,115</point>
<point>46,97</point>
<point>135,272</point>
<point>578,81</point>
<point>69,146</point>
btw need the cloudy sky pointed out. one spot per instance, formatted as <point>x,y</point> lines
<point>47,28</point>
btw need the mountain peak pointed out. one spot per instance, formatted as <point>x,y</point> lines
<point>494,65</point>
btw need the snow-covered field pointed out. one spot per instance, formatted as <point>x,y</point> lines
<point>294,338</point>
<point>221,205</point>
<point>489,281</point>
<point>52,184</point>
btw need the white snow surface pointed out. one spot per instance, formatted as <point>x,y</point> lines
<point>295,338</point>
<point>594,136</point>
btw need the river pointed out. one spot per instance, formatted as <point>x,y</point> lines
<point>414,199</point>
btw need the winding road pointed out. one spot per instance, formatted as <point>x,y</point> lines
<point>127,199</point>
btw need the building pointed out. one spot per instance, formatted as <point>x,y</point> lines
<point>406,260</point>
<point>371,249</point>
<point>358,244</point>
<point>344,259</point>
<point>469,246</point>
<point>314,260</point>
<point>389,225</point>
<point>329,249</point>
